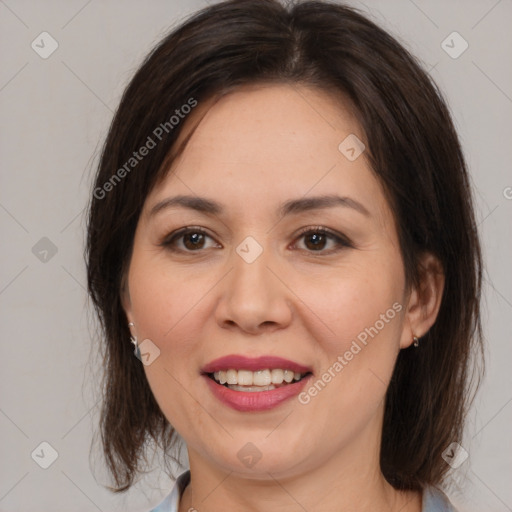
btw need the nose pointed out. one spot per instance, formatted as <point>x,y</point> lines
<point>254,298</point>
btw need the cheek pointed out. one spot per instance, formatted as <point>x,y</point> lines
<point>355,299</point>
<point>163,301</point>
<point>364,316</point>
<point>363,311</point>
<point>166,308</point>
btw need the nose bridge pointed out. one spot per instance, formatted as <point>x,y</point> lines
<point>251,276</point>
<point>252,295</point>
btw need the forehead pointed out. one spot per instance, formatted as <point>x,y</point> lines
<point>269,142</point>
<point>288,121</point>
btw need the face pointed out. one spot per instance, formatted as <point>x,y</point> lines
<point>268,269</point>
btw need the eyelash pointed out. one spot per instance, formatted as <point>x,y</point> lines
<point>340,240</point>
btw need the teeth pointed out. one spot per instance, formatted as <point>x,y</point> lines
<point>258,378</point>
<point>245,378</point>
<point>277,376</point>
<point>231,376</point>
<point>251,389</point>
<point>288,376</point>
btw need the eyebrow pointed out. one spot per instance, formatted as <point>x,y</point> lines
<point>294,206</point>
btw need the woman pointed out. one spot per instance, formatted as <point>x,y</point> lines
<point>282,225</point>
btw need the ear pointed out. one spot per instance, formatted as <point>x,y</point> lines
<point>424,300</point>
<point>125,298</point>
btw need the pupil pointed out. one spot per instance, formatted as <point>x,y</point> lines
<point>318,240</point>
<point>194,240</point>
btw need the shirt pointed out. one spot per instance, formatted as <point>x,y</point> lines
<point>434,500</point>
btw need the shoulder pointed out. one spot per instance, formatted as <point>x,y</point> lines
<point>434,500</point>
<point>172,500</point>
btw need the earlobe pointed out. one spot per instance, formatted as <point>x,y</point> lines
<point>424,300</point>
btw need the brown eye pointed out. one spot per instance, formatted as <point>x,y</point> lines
<point>315,241</point>
<point>188,240</point>
<point>193,240</point>
<point>323,241</point>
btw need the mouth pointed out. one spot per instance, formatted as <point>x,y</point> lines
<point>270,378</point>
<point>256,381</point>
<point>258,396</point>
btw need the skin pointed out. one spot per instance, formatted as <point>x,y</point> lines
<point>252,150</point>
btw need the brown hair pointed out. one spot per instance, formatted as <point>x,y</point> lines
<point>414,151</point>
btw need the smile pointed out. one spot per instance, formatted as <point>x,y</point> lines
<point>260,380</point>
<point>255,383</point>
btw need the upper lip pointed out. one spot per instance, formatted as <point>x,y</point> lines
<point>239,362</point>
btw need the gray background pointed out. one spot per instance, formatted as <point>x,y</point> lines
<point>55,113</point>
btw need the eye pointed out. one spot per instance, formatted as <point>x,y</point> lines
<point>317,238</point>
<point>188,239</point>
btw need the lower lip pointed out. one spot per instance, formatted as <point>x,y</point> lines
<point>258,400</point>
